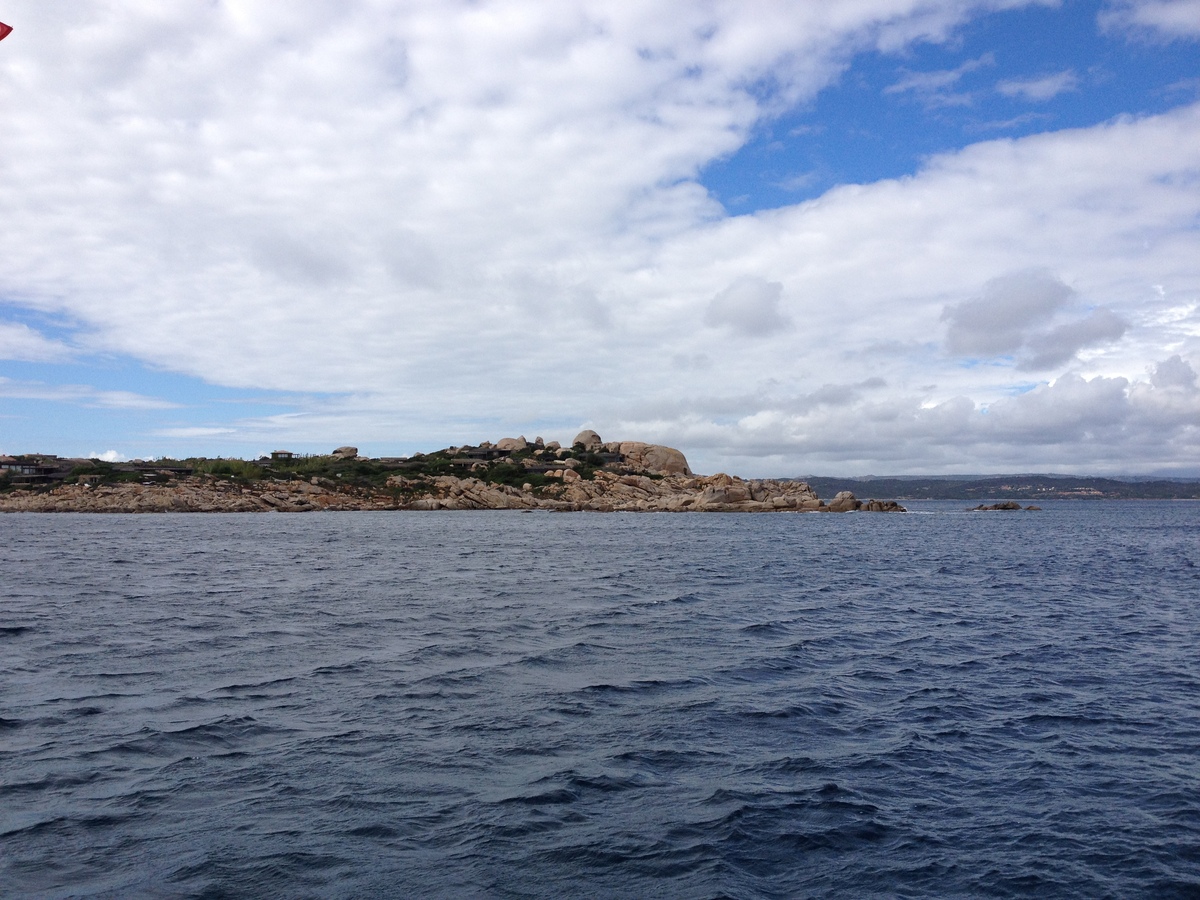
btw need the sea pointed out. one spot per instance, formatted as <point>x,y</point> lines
<point>507,704</point>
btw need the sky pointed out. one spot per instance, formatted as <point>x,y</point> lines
<point>788,238</point>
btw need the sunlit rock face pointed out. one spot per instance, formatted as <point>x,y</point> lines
<point>655,458</point>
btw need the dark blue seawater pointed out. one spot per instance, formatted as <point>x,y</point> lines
<point>502,704</point>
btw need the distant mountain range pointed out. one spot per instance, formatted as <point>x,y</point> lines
<point>1006,487</point>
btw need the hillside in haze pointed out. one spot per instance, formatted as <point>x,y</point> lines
<point>1004,487</point>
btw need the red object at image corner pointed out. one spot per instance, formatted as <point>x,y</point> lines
<point>5,31</point>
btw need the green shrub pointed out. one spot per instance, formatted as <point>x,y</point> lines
<point>229,468</point>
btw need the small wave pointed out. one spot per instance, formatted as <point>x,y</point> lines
<point>791,765</point>
<point>343,669</point>
<point>374,831</point>
<point>571,655</point>
<point>680,598</point>
<point>669,760</point>
<point>132,674</point>
<point>82,712</point>
<point>250,686</point>
<point>767,629</point>
<point>34,829</point>
<point>648,685</point>
<point>49,784</point>
<point>224,733</point>
<point>606,784</point>
<point>544,798</point>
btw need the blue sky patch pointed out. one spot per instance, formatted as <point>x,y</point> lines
<point>1003,75</point>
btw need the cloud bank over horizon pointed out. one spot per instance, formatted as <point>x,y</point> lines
<point>406,225</point>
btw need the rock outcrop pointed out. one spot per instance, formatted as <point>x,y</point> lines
<point>604,492</point>
<point>510,474</point>
<point>611,492</point>
<point>193,494</point>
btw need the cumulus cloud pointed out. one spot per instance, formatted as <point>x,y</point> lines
<point>1060,344</point>
<point>998,320</point>
<point>1045,87</point>
<point>1174,373</point>
<point>1070,423</point>
<point>1014,315</point>
<point>749,306</point>
<point>107,456</point>
<point>834,395</point>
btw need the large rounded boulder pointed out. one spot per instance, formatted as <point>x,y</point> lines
<point>844,501</point>
<point>588,439</point>
<point>655,458</point>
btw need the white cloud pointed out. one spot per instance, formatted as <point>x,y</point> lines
<point>1060,344</point>
<point>1174,373</point>
<point>107,456</point>
<point>1042,88</point>
<point>80,394</point>
<point>749,307</point>
<point>1168,19</point>
<point>199,431</point>
<point>1027,315</point>
<point>935,87</point>
<point>1071,423</point>
<point>463,218</point>
<point>21,343</point>
<point>996,322</point>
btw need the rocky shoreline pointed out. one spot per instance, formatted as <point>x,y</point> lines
<point>591,476</point>
<point>606,492</point>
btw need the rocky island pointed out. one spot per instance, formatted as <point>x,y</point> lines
<point>513,473</point>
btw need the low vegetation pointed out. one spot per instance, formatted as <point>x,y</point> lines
<point>531,466</point>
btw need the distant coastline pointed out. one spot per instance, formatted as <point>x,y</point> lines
<point>1010,487</point>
